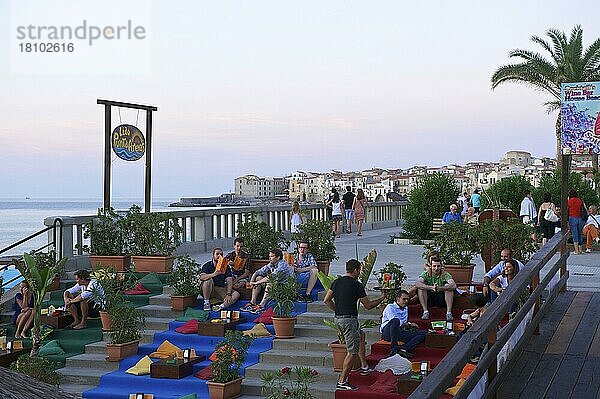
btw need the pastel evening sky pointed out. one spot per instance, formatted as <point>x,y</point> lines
<point>270,87</point>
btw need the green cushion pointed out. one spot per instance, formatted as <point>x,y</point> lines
<point>190,396</point>
<point>198,314</point>
<point>51,348</point>
<point>152,283</point>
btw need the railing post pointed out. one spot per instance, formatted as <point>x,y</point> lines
<point>64,239</point>
<point>535,281</point>
<point>493,369</point>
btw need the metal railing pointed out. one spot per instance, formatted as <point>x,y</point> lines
<point>485,330</point>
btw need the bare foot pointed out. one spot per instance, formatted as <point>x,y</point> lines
<point>18,336</point>
<point>72,325</point>
<point>79,326</point>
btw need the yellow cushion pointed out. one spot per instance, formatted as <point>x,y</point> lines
<point>259,330</point>
<point>165,350</point>
<point>452,391</point>
<point>141,368</point>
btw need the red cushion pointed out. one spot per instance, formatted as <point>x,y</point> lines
<point>386,383</point>
<point>190,327</point>
<point>139,289</point>
<point>205,374</point>
<point>266,317</point>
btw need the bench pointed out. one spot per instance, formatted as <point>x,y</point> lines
<point>437,226</point>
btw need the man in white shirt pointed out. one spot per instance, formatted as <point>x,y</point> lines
<point>505,254</point>
<point>396,327</point>
<point>84,299</point>
<point>590,230</point>
<point>528,213</point>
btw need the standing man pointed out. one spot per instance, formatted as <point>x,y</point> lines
<point>84,299</point>
<point>305,267</point>
<point>348,199</point>
<point>239,262</point>
<point>505,254</point>
<point>342,298</point>
<point>396,327</point>
<point>436,288</point>
<point>216,284</point>
<point>528,213</point>
<point>476,200</point>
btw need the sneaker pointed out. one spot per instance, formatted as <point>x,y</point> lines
<point>405,354</point>
<point>345,386</point>
<point>257,309</point>
<point>449,316</point>
<point>365,370</point>
<point>425,315</point>
<point>207,305</point>
<point>587,251</point>
<point>248,307</point>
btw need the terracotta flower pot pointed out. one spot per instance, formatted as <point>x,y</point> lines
<point>119,263</point>
<point>323,266</point>
<point>118,352</point>
<point>106,320</point>
<point>339,352</point>
<point>55,284</point>
<point>182,302</point>
<point>460,274</point>
<point>219,390</point>
<point>148,264</point>
<point>284,326</point>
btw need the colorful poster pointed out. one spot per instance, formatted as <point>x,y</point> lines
<point>580,104</point>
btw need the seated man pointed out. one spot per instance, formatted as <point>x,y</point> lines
<point>396,327</point>
<point>452,216</point>
<point>216,284</point>
<point>239,262</point>
<point>436,288</point>
<point>84,299</point>
<point>276,268</point>
<point>505,254</point>
<point>590,230</point>
<point>305,267</point>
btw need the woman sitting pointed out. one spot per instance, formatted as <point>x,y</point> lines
<point>501,282</point>
<point>23,306</point>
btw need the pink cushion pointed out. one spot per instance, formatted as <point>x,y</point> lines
<point>139,289</point>
<point>205,374</point>
<point>190,327</point>
<point>266,317</point>
<point>386,383</point>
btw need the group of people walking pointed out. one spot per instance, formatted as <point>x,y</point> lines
<point>349,207</point>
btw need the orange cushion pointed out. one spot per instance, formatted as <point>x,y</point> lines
<point>467,370</point>
<point>384,342</point>
<point>213,357</point>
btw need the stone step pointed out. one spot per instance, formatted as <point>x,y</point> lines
<point>303,343</point>
<point>96,348</point>
<point>322,331</point>
<point>147,336</point>
<point>299,358</point>
<point>160,311</point>
<point>321,390</point>
<point>91,360</point>
<point>321,307</point>
<point>162,300</point>
<point>317,317</point>
<point>76,389</point>
<point>167,289</point>
<point>158,323</point>
<point>326,374</point>
<point>81,376</point>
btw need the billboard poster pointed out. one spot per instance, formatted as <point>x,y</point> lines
<point>580,124</point>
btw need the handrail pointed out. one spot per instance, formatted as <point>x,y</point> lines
<point>485,329</point>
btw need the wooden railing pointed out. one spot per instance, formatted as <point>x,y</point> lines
<point>205,228</point>
<point>485,330</point>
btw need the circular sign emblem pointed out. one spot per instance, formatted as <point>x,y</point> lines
<point>128,142</point>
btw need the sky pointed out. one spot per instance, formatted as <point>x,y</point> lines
<point>268,88</point>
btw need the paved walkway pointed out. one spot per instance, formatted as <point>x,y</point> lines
<point>584,269</point>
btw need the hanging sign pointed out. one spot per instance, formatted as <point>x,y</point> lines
<point>580,119</point>
<point>128,142</point>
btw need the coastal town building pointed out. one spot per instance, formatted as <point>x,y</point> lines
<point>381,184</point>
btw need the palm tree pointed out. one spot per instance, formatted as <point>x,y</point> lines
<point>568,63</point>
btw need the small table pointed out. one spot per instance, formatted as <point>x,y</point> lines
<point>180,369</point>
<point>218,329</point>
<point>407,386</point>
<point>57,322</point>
<point>7,357</point>
<point>444,341</point>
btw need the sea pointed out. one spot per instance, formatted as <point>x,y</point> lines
<point>20,218</point>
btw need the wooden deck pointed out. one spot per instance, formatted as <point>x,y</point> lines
<point>564,360</point>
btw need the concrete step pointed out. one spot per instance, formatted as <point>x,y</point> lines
<point>321,390</point>
<point>256,371</point>
<point>317,317</point>
<point>162,300</point>
<point>167,289</point>
<point>322,331</point>
<point>96,348</point>
<point>297,358</point>
<point>303,343</point>
<point>160,311</point>
<point>81,376</point>
<point>75,389</point>
<point>91,360</point>
<point>147,336</point>
<point>321,307</point>
<point>158,323</point>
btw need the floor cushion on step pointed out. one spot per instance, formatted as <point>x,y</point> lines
<point>51,348</point>
<point>142,367</point>
<point>189,327</point>
<point>139,289</point>
<point>205,374</point>
<point>165,350</point>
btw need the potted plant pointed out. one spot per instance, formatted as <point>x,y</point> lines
<point>339,348</point>
<point>125,332</point>
<point>284,291</point>
<point>259,239</point>
<point>39,278</point>
<point>111,295</point>
<point>396,274</point>
<point>457,245</point>
<point>38,368</point>
<point>152,239</point>
<point>107,241</point>
<point>322,244</point>
<point>185,283</point>
<point>494,235</point>
<point>289,383</point>
<point>230,353</point>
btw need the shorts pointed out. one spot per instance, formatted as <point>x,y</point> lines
<point>336,218</point>
<point>218,293</point>
<point>349,214</point>
<point>351,331</point>
<point>93,309</point>
<point>436,299</point>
